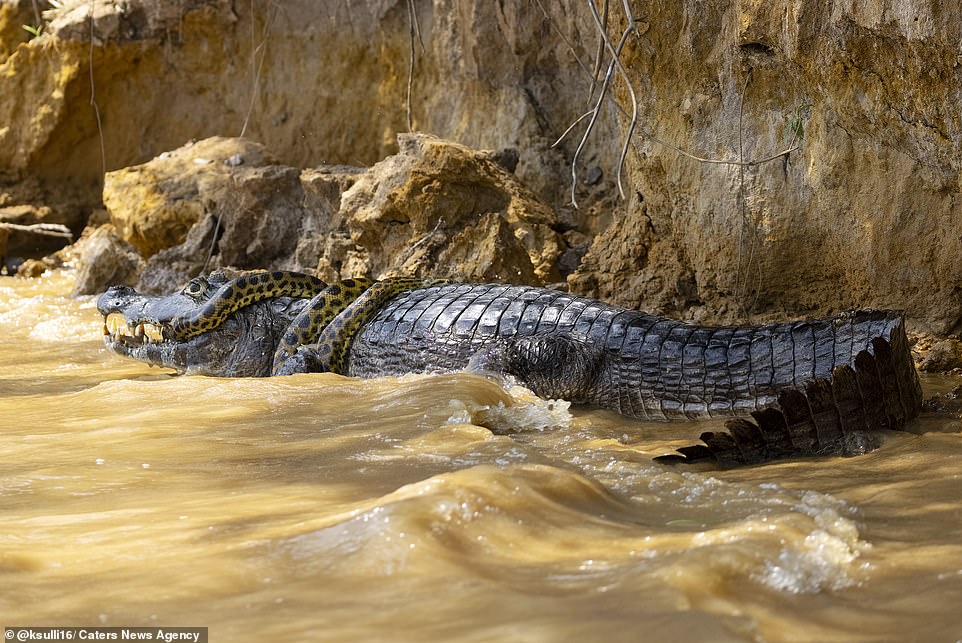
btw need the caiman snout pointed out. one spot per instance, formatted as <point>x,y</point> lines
<point>117,298</point>
<point>123,309</point>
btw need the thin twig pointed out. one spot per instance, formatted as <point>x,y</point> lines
<point>584,137</point>
<point>257,67</point>
<point>417,23</point>
<point>628,14</point>
<point>93,100</point>
<point>599,55</point>
<point>426,236</point>
<point>46,229</point>
<point>794,144</point>
<point>616,58</point>
<point>415,33</point>
<point>571,127</point>
<point>750,163</point>
<point>634,110</point>
<point>417,244</point>
<point>743,206</point>
<point>250,105</point>
<point>36,14</point>
<point>213,242</point>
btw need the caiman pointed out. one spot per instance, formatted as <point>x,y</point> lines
<point>790,389</point>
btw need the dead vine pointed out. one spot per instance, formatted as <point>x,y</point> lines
<point>93,98</point>
<point>608,49</point>
<point>257,66</point>
<point>414,36</point>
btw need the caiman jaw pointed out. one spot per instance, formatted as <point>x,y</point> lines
<point>118,329</point>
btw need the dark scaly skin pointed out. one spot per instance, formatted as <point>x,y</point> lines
<point>811,387</point>
<point>238,293</point>
<point>634,363</point>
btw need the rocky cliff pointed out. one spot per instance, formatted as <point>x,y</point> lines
<point>789,157</point>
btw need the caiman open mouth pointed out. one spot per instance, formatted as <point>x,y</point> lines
<point>118,329</point>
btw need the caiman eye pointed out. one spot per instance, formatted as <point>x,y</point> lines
<point>196,287</point>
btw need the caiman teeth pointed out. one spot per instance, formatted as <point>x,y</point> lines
<point>116,326</point>
<point>153,332</point>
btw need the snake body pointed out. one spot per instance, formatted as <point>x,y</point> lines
<point>238,293</point>
<point>326,325</point>
<point>317,316</point>
<point>335,338</point>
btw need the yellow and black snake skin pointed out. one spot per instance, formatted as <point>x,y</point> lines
<point>327,323</point>
<point>236,294</point>
<point>317,315</point>
<point>335,339</point>
<point>333,317</point>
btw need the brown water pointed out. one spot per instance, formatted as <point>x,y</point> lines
<point>321,508</point>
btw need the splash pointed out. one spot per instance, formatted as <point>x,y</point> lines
<point>823,558</point>
<point>525,412</point>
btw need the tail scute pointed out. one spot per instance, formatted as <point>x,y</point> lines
<point>836,415</point>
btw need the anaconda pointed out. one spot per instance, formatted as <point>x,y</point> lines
<point>315,318</point>
<point>798,388</point>
<point>236,294</point>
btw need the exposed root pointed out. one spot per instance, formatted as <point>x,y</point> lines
<point>93,99</point>
<point>44,229</point>
<point>616,58</point>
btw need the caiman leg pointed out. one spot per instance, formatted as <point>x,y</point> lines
<point>811,387</point>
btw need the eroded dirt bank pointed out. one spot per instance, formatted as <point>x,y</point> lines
<point>862,211</point>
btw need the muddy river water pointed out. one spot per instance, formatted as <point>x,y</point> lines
<point>317,507</point>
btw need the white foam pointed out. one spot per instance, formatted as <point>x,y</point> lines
<point>819,562</point>
<point>528,413</point>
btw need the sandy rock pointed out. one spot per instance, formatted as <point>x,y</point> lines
<point>436,208</point>
<point>863,212</point>
<point>13,15</point>
<point>165,72</point>
<point>273,216</point>
<point>440,208</point>
<point>154,205</point>
<point>31,268</point>
<point>488,251</point>
<point>943,355</point>
<point>173,267</point>
<point>104,259</point>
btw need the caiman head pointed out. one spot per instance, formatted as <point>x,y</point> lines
<point>144,328</point>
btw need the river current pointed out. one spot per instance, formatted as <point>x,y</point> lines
<point>443,508</point>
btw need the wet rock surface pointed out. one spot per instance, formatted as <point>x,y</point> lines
<point>439,208</point>
<point>940,355</point>
<point>155,204</point>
